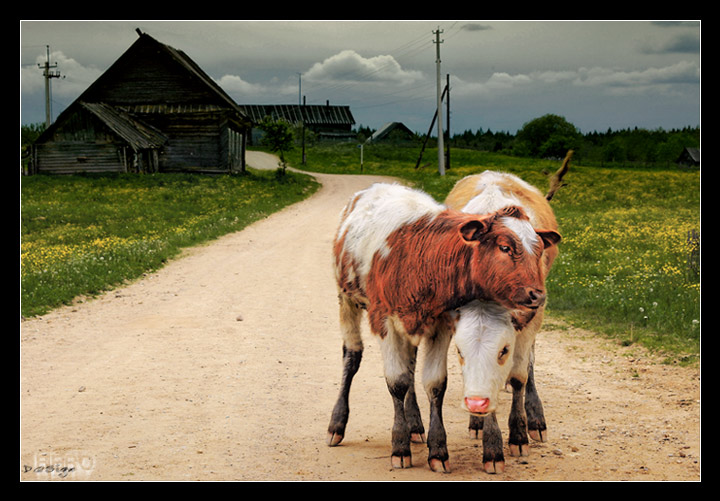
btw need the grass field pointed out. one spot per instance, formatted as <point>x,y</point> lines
<point>81,235</point>
<point>626,268</point>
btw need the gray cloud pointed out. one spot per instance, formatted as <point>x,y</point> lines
<point>682,44</point>
<point>475,27</point>
<point>502,73</point>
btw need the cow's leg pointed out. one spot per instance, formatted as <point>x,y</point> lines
<point>537,428</point>
<point>435,382</point>
<point>493,457</point>
<point>398,358</point>
<point>476,426</point>
<point>412,411</point>
<point>517,422</point>
<point>487,429</point>
<point>350,316</point>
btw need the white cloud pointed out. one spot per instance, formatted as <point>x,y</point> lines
<point>555,76</point>
<point>608,80</point>
<point>682,72</point>
<point>349,66</point>
<point>500,81</point>
<point>244,92</point>
<point>497,83</point>
<point>234,85</point>
<point>75,77</point>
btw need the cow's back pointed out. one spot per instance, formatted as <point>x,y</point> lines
<point>366,222</point>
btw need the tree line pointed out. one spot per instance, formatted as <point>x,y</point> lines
<point>551,136</point>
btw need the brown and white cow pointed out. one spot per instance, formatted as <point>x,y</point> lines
<point>419,270</point>
<point>487,193</point>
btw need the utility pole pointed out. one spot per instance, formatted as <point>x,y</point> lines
<point>48,75</point>
<point>427,136</point>
<point>447,129</point>
<point>299,89</point>
<point>302,122</point>
<point>441,148</point>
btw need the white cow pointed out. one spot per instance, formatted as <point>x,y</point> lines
<point>486,193</point>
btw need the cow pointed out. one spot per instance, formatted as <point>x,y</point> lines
<point>486,193</point>
<point>418,269</point>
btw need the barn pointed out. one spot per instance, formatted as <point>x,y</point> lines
<point>329,122</point>
<point>153,110</point>
<point>392,132</point>
<point>690,157</point>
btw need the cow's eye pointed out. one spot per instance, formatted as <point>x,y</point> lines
<point>502,356</point>
<point>505,249</point>
<point>460,356</point>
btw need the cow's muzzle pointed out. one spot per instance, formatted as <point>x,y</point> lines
<point>477,405</point>
<point>532,298</point>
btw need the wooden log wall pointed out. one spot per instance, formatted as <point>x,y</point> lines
<point>74,157</point>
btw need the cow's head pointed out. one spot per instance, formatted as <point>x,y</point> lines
<point>507,253</point>
<point>485,341</point>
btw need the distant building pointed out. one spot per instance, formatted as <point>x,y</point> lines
<point>392,132</point>
<point>690,157</point>
<point>326,121</point>
<point>153,110</point>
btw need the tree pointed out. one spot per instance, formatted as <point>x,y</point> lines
<point>614,151</point>
<point>278,137</point>
<point>29,133</point>
<point>548,136</point>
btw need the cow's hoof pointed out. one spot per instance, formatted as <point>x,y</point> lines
<point>333,439</point>
<point>493,467</point>
<point>439,466</point>
<point>398,462</point>
<point>538,435</point>
<point>519,450</point>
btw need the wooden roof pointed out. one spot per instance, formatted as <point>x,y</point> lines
<point>147,44</point>
<point>309,114</point>
<point>139,135</point>
<point>137,90</point>
<point>386,129</point>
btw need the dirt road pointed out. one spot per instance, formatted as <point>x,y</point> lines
<point>225,364</point>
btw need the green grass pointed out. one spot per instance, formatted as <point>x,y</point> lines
<point>624,267</point>
<point>84,234</point>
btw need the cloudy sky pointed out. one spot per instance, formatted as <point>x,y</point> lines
<point>596,74</point>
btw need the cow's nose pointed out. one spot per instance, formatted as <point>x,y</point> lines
<point>477,405</point>
<point>535,298</point>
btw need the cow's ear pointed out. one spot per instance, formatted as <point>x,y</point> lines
<point>474,229</point>
<point>549,237</point>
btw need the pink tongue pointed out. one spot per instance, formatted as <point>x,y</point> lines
<point>478,405</point>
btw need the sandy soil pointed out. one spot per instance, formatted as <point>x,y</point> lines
<point>225,364</point>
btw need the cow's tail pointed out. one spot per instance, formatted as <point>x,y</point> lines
<point>556,179</point>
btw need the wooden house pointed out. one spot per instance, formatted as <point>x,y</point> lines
<point>153,110</point>
<point>690,157</point>
<point>392,132</point>
<point>326,121</point>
